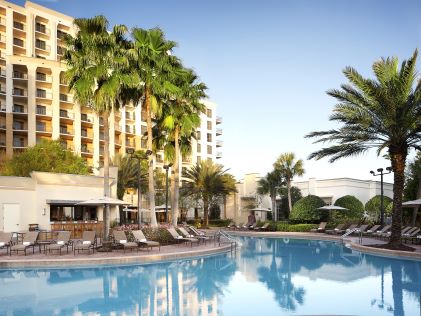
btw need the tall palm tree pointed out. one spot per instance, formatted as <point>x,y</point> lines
<point>383,113</point>
<point>289,168</point>
<point>270,185</point>
<point>206,181</point>
<point>181,117</point>
<point>97,74</point>
<point>152,60</point>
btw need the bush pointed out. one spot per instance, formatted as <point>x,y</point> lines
<point>372,207</point>
<point>355,209</point>
<point>219,222</point>
<point>159,234</point>
<point>285,227</point>
<point>306,210</point>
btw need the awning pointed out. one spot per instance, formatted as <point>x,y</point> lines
<point>63,202</point>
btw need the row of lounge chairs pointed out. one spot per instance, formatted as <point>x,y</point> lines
<point>248,226</point>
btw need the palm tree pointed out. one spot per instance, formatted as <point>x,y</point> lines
<point>97,73</point>
<point>152,60</point>
<point>384,114</point>
<point>269,185</point>
<point>289,168</point>
<point>181,117</point>
<point>207,182</point>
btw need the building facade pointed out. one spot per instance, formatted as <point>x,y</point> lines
<point>36,104</point>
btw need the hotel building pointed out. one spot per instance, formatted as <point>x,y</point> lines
<point>35,102</point>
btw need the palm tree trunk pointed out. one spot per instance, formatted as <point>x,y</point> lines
<point>106,210</point>
<point>176,172</point>
<point>398,166</point>
<point>275,211</point>
<point>151,185</point>
<point>206,211</point>
<point>289,196</point>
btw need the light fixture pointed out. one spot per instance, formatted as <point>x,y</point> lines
<point>44,212</point>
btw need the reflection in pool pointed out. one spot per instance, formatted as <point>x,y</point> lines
<point>265,277</point>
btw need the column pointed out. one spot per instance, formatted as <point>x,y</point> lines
<point>55,104</point>
<point>96,142</point>
<point>77,128</point>
<point>31,104</point>
<point>9,106</point>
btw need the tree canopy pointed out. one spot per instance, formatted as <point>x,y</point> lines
<point>47,156</point>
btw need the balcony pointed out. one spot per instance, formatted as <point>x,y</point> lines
<point>43,129</point>
<point>43,111</point>
<point>130,130</point>
<point>2,21</point>
<point>43,94</point>
<point>18,127</point>
<point>2,143</point>
<point>61,35</point>
<point>2,125</point>
<point>18,42</point>
<point>85,150</point>
<point>42,29</point>
<point>86,134</point>
<point>66,98</point>
<point>219,143</point>
<point>130,143</point>
<point>61,50</point>
<point>2,107</point>
<point>18,109</point>
<point>41,77</point>
<point>87,119</point>
<point>41,45</point>
<point>18,26</point>
<point>17,92</point>
<point>218,131</point>
<point>218,120</point>
<point>20,75</point>
<point>65,131</point>
<point>66,115</point>
<point>218,155</point>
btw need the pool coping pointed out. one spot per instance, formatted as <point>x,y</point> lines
<point>348,242</point>
<point>118,260</point>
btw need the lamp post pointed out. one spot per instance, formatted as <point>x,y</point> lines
<point>380,173</point>
<point>131,152</point>
<point>166,167</point>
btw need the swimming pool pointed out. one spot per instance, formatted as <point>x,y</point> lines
<point>267,276</point>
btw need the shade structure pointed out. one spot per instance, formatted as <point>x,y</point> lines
<point>332,208</point>
<point>413,203</point>
<point>104,200</point>
<point>260,209</point>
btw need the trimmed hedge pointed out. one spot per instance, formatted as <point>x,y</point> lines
<point>305,209</point>
<point>372,207</point>
<point>283,227</point>
<point>355,209</point>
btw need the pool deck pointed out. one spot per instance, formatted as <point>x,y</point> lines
<point>351,241</point>
<point>116,257</point>
<point>184,251</point>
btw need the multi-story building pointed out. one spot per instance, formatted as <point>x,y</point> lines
<point>35,102</point>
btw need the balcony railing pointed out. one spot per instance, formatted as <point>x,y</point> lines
<point>43,94</point>
<point>66,115</point>
<point>18,25</point>
<point>18,109</point>
<point>66,98</point>
<point>44,46</point>
<point>66,131</point>
<point>19,92</point>
<point>20,75</point>
<point>86,134</point>
<point>44,78</point>
<point>41,28</point>
<point>218,120</point>
<point>42,110</point>
<point>86,150</point>
<point>219,131</point>
<point>19,127</point>
<point>18,42</point>
<point>218,155</point>
<point>43,129</point>
<point>219,143</point>
<point>86,118</point>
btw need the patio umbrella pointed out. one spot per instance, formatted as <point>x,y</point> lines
<point>413,203</point>
<point>332,208</point>
<point>105,200</point>
<point>260,209</point>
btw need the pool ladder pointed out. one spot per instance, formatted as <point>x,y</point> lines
<point>360,235</point>
<point>222,234</point>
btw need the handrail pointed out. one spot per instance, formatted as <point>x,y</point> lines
<point>354,230</point>
<point>231,239</point>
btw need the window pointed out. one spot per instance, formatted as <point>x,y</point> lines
<point>84,117</point>
<point>159,158</point>
<point>143,143</point>
<point>18,42</point>
<point>18,108</point>
<point>199,159</point>
<point>209,150</point>
<point>18,125</point>
<point>41,127</point>
<point>63,113</point>
<point>40,28</point>
<point>41,76</point>
<point>18,142</point>
<point>41,93</point>
<point>209,137</point>
<point>143,130</point>
<point>199,147</point>
<point>40,44</point>
<point>198,135</point>
<point>18,91</point>
<point>209,125</point>
<point>209,113</point>
<point>143,116</point>
<point>61,34</point>
<point>41,110</point>
<point>63,129</point>
<point>84,132</point>
<point>18,25</point>
<point>61,50</point>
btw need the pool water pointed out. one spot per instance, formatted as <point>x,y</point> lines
<point>267,276</point>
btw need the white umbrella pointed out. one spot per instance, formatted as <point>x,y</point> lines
<point>105,200</point>
<point>260,209</point>
<point>332,208</point>
<point>413,203</point>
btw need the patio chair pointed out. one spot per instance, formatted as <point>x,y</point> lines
<point>361,229</point>
<point>186,234</point>
<point>88,242</point>
<point>63,240</point>
<point>29,241</point>
<point>231,225</point>
<point>198,234</point>
<point>140,238</point>
<point>120,239</point>
<point>264,227</point>
<point>335,230</point>
<point>404,230</point>
<point>372,230</point>
<point>5,241</point>
<point>382,231</point>
<point>252,226</point>
<point>350,228</point>
<point>319,229</point>
<point>177,237</point>
<point>239,226</point>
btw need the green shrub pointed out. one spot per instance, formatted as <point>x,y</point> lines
<point>355,209</point>
<point>372,207</point>
<point>282,226</point>
<point>219,222</point>
<point>306,210</point>
<point>285,227</point>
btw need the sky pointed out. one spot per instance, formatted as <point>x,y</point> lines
<point>269,63</point>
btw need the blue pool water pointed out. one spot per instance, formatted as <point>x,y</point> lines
<point>265,277</point>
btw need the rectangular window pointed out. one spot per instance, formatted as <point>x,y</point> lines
<point>143,130</point>
<point>18,108</point>
<point>209,150</point>
<point>159,158</point>
<point>40,44</point>
<point>199,147</point>
<point>209,137</point>
<point>40,28</point>
<point>18,142</point>
<point>63,129</point>
<point>41,127</point>
<point>84,132</point>
<point>199,159</point>
<point>63,113</point>
<point>41,93</point>
<point>41,110</point>
<point>18,42</point>
<point>84,117</point>
<point>41,76</point>
<point>61,34</point>
<point>209,124</point>
<point>18,125</point>
<point>198,135</point>
<point>18,25</point>
<point>143,143</point>
<point>209,113</point>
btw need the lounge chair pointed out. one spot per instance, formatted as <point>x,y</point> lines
<point>239,226</point>
<point>177,237</point>
<point>404,230</point>
<point>412,233</point>
<point>120,239</point>
<point>5,241</point>
<point>186,234</point>
<point>361,229</point>
<point>382,231</point>
<point>264,227</point>
<point>231,225</point>
<point>198,234</point>
<point>319,229</point>
<point>350,228</point>
<point>88,242</point>
<point>252,226</point>
<point>63,240</point>
<point>29,241</point>
<point>335,230</point>
<point>140,238</point>
<point>372,230</point>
